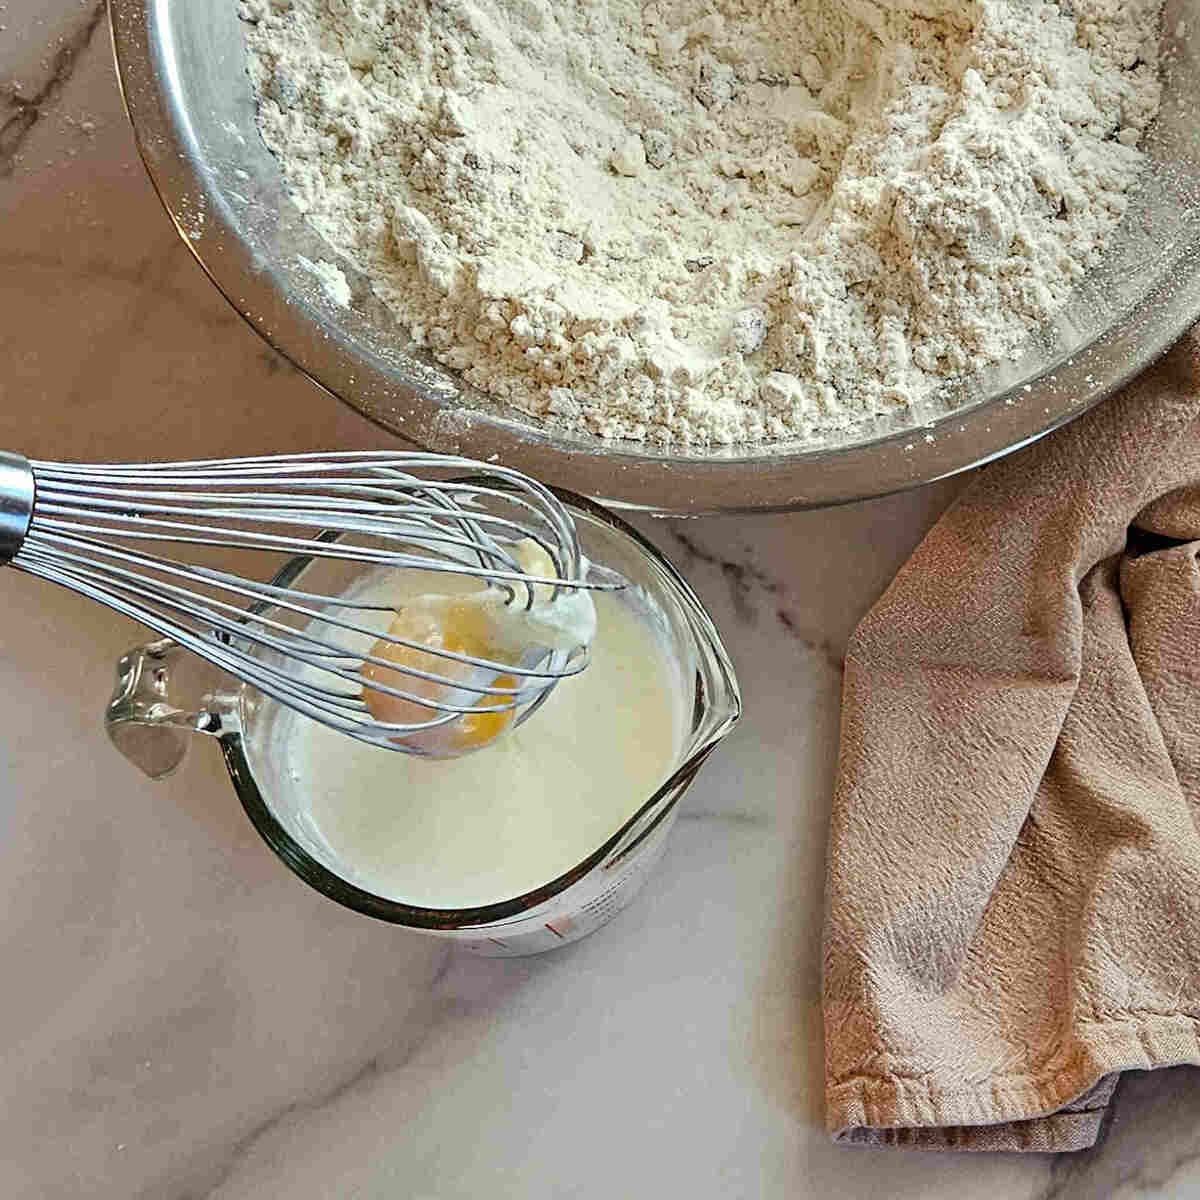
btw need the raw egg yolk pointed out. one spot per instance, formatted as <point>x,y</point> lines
<point>441,623</point>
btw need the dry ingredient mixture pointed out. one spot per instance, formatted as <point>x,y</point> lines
<point>711,222</point>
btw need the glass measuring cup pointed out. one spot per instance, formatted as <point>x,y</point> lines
<point>150,724</point>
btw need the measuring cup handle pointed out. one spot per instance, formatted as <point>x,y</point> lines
<point>142,720</point>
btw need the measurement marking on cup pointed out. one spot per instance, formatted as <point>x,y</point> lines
<point>554,931</point>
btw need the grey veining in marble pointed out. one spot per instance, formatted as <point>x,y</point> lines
<point>182,1019</point>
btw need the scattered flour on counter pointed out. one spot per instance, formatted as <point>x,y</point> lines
<point>722,222</point>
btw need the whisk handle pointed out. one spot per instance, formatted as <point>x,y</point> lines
<point>16,503</point>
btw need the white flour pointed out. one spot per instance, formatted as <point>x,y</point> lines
<point>711,222</point>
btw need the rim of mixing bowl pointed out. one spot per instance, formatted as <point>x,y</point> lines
<point>320,877</point>
<point>655,481</point>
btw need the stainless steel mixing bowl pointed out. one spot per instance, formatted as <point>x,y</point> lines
<point>182,70</point>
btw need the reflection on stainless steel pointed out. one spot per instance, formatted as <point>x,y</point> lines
<point>16,503</point>
<point>183,75</point>
<point>133,537</point>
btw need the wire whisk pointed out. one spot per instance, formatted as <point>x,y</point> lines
<point>130,536</point>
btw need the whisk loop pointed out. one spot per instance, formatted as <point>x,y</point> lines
<point>122,534</point>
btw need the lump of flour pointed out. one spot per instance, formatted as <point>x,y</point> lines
<point>711,222</point>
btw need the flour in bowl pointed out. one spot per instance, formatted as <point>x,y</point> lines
<point>722,222</point>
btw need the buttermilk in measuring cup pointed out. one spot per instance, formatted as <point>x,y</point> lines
<point>523,810</point>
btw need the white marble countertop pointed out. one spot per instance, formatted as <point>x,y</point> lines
<point>182,1018</point>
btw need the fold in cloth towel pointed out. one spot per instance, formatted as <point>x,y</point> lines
<point>1014,864</point>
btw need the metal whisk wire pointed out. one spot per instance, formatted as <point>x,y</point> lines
<point>115,533</point>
